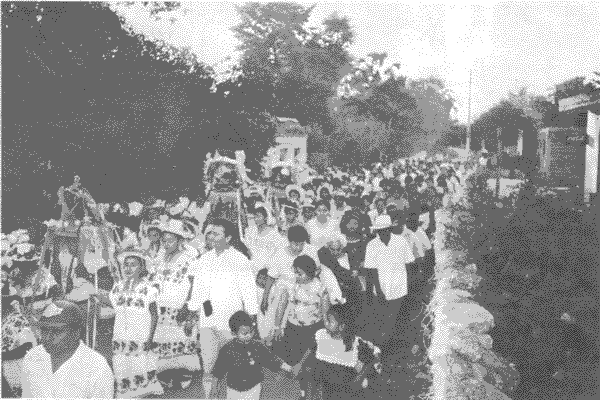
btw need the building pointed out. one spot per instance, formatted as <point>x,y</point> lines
<point>291,148</point>
<point>568,151</point>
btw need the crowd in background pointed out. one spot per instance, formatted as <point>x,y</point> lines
<point>295,291</point>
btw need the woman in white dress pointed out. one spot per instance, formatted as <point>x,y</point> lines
<point>175,334</point>
<point>262,241</point>
<point>134,302</point>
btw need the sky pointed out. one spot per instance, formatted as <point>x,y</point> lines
<point>504,46</point>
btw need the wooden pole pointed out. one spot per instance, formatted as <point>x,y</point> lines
<point>498,174</point>
<point>468,146</point>
<point>95,314</point>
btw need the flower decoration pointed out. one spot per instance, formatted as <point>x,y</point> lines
<point>16,247</point>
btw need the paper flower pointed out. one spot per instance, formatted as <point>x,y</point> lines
<point>24,248</point>
<point>135,208</point>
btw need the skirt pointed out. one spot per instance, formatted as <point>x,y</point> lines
<point>175,348</point>
<point>135,370</point>
<point>296,340</point>
<point>336,381</point>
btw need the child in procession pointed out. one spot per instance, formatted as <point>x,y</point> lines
<point>342,363</point>
<point>241,360</point>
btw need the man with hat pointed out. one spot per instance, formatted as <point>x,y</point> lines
<point>389,254</point>
<point>62,366</point>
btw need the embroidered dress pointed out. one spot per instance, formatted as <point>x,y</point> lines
<point>176,347</point>
<point>134,366</point>
<point>306,303</point>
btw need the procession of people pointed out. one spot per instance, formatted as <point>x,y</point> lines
<point>301,289</point>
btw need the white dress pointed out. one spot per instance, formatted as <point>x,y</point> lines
<point>262,247</point>
<point>134,367</point>
<point>176,349</point>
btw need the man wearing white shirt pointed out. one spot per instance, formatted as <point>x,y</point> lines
<point>63,366</point>
<point>389,253</point>
<point>223,284</point>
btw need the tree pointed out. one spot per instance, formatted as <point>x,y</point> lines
<point>89,98</point>
<point>403,116</point>
<point>294,70</point>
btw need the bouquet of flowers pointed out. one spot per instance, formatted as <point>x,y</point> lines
<point>16,247</point>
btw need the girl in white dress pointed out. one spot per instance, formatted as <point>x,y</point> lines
<point>134,302</point>
<point>176,334</point>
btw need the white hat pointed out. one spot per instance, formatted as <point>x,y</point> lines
<point>131,252</point>
<point>382,222</point>
<point>177,227</point>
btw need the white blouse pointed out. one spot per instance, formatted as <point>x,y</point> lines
<point>334,351</point>
<point>175,286</point>
<point>131,304</point>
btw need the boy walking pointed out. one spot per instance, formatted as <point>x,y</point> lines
<point>241,360</point>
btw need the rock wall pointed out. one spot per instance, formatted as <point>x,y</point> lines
<point>464,366</point>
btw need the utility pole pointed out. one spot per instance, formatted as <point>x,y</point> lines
<point>498,174</point>
<point>468,147</point>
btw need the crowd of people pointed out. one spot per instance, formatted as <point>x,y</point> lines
<point>292,293</point>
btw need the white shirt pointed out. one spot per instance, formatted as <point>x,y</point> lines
<point>86,375</point>
<point>227,281</point>
<point>321,234</point>
<point>390,261</point>
<point>263,246</point>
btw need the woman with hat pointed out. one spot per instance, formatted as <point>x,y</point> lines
<point>174,333</point>
<point>134,302</point>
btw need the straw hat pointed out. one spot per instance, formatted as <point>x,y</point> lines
<point>131,252</point>
<point>177,227</point>
<point>382,222</point>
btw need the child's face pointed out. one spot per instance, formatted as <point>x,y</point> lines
<point>245,333</point>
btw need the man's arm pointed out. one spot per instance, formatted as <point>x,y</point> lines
<point>248,289</point>
<point>194,301</point>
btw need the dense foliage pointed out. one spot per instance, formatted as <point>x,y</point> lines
<point>537,258</point>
